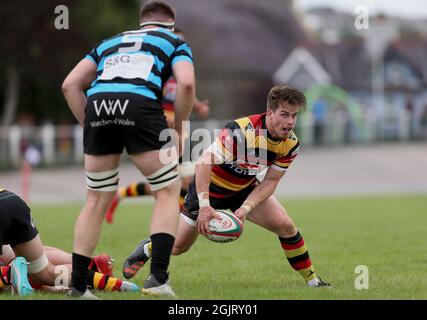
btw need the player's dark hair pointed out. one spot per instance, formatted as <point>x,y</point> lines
<point>280,95</point>
<point>156,11</point>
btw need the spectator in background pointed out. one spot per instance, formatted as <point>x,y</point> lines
<point>409,108</point>
<point>423,123</point>
<point>319,115</point>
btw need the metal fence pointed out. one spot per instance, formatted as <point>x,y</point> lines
<point>50,145</point>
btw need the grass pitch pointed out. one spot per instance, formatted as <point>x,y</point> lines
<point>386,234</point>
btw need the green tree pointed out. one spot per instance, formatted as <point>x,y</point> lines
<point>36,56</point>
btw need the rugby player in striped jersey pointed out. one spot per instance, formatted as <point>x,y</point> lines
<point>226,179</point>
<point>186,170</point>
<point>121,109</point>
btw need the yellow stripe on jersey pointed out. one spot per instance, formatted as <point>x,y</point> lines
<point>1,190</point>
<point>227,184</point>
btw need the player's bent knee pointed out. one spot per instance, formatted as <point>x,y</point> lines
<point>178,250</point>
<point>39,264</point>
<point>286,227</point>
<point>105,181</point>
<point>164,177</point>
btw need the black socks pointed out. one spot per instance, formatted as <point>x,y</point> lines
<point>162,244</point>
<point>79,275</point>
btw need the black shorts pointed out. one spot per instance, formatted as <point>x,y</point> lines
<point>233,202</point>
<point>16,223</point>
<point>117,121</point>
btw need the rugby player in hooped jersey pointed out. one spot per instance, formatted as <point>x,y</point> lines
<point>225,179</point>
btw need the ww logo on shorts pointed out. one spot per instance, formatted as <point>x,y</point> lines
<point>110,106</point>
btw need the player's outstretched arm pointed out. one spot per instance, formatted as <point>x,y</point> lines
<point>78,80</point>
<point>203,179</point>
<point>261,193</point>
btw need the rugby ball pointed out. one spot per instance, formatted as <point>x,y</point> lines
<point>226,229</point>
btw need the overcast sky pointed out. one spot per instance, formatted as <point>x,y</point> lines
<point>402,8</point>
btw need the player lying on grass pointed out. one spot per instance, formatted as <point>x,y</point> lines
<point>17,229</point>
<point>101,276</point>
<point>226,179</point>
<point>101,263</point>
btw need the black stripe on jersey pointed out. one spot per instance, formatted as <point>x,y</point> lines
<point>102,42</point>
<point>222,191</point>
<point>229,169</point>
<point>156,72</point>
<point>94,56</point>
<point>139,82</point>
<point>232,125</point>
<point>176,42</point>
<point>293,149</point>
<point>166,73</point>
<point>182,53</point>
<point>237,133</point>
<point>271,155</point>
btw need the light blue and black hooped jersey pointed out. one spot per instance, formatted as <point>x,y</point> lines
<point>137,62</point>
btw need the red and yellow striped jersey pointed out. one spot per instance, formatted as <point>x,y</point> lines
<point>169,94</point>
<point>245,148</point>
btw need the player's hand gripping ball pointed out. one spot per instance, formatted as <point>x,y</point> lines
<point>226,229</point>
